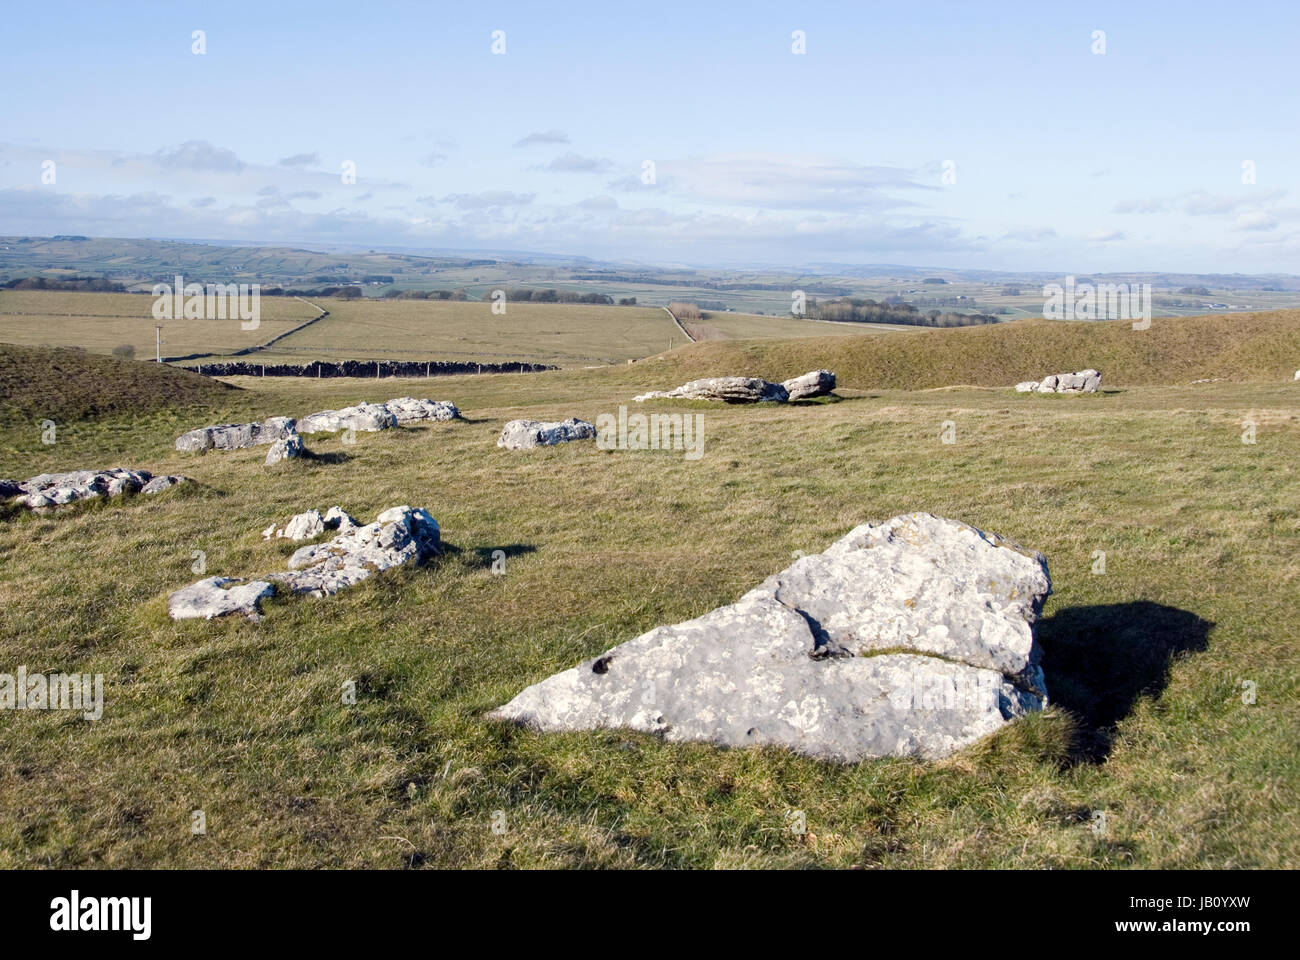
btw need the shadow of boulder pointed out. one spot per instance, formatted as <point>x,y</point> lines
<point>1098,660</point>
<point>486,556</point>
<point>332,457</point>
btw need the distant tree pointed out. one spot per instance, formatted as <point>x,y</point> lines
<point>1010,291</point>
<point>349,293</point>
<point>627,302</point>
<point>125,351</point>
<point>1196,291</point>
<point>684,310</point>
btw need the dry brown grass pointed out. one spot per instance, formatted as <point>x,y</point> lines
<point>98,322</point>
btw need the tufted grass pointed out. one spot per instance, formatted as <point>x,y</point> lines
<point>245,721</point>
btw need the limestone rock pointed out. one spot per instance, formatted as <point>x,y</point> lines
<point>729,389</point>
<point>290,448</point>
<point>525,434</point>
<point>368,417</point>
<point>336,518</point>
<point>1083,381</point>
<point>57,489</point>
<point>235,436</point>
<point>217,597</point>
<point>304,526</point>
<point>398,536</point>
<point>276,428</point>
<point>411,410</point>
<point>907,638</point>
<point>817,383</point>
<point>166,482</point>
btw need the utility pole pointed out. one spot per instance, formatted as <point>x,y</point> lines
<point>158,331</point>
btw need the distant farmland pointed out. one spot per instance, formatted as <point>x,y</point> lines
<point>99,322</point>
<point>565,335</point>
<point>560,334</point>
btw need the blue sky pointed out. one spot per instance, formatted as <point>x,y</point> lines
<point>1064,159</point>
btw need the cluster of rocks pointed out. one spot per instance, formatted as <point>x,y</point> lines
<point>1083,381</point>
<point>399,535</point>
<point>748,389</point>
<point>56,489</point>
<point>305,526</point>
<point>371,417</point>
<point>913,637</point>
<point>284,433</point>
<point>526,434</point>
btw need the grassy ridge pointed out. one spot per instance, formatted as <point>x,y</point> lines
<point>74,385</point>
<point>717,325</point>
<point>1259,347</point>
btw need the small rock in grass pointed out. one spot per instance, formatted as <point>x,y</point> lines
<point>217,597</point>
<point>526,434</point>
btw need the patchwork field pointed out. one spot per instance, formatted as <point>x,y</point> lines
<point>1148,663</point>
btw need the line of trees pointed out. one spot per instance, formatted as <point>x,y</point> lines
<point>395,294</point>
<point>528,295</point>
<point>856,310</point>
<point>93,284</point>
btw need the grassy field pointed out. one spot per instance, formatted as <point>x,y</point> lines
<point>559,334</point>
<point>99,322</point>
<point>1145,663</point>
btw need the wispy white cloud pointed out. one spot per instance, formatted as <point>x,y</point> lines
<point>200,155</point>
<point>575,163</point>
<point>488,199</point>
<point>301,160</point>
<point>542,138</point>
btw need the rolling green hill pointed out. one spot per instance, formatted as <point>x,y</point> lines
<point>1243,347</point>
